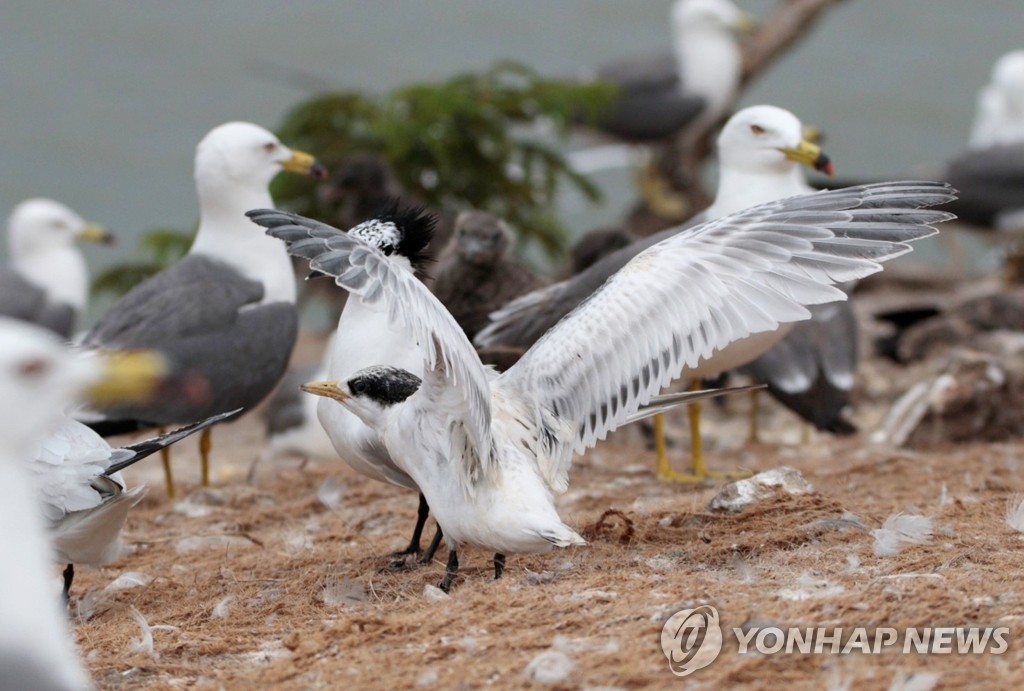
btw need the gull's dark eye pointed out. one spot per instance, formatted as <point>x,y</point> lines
<point>757,129</point>
<point>270,147</point>
<point>359,387</point>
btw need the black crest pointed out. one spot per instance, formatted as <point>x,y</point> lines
<point>386,385</point>
<point>416,226</point>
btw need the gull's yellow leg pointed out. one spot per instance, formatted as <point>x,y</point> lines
<point>165,458</point>
<point>658,195</point>
<point>753,435</point>
<point>204,456</point>
<point>699,472</point>
<point>664,469</point>
<point>1013,268</point>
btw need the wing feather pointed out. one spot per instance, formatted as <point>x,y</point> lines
<point>366,272</point>
<point>695,292</point>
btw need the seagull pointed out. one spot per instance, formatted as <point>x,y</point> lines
<point>596,244</point>
<point>661,95</point>
<point>991,181</point>
<point>999,116</point>
<point>39,378</point>
<point>760,149</point>
<point>488,451</point>
<point>226,311</point>
<point>476,274</point>
<point>84,497</point>
<point>812,370</point>
<point>47,282</point>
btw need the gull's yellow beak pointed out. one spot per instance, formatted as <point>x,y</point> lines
<point>304,164</point>
<point>128,376</point>
<point>327,389</point>
<point>94,232</point>
<point>810,155</point>
<point>744,23</point>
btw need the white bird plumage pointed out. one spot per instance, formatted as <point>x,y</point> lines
<point>86,511</point>
<point>234,165</point>
<point>741,274</point>
<point>38,378</point>
<point>41,235</point>
<point>226,311</point>
<point>999,115</point>
<point>49,282</point>
<point>707,53</point>
<point>85,499</point>
<point>367,335</point>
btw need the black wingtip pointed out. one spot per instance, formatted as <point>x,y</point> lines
<point>148,447</point>
<point>254,214</point>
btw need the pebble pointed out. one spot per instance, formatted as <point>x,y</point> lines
<point>550,667</point>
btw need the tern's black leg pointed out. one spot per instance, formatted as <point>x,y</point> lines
<point>69,575</point>
<point>449,571</point>
<point>421,519</point>
<point>428,556</point>
<point>499,565</point>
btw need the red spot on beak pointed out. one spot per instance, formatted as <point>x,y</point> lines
<point>824,164</point>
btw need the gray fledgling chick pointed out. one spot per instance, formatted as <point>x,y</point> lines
<point>476,273</point>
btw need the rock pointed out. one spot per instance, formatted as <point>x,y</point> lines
<point>129,579</point>
<point>428,678</point>
<point>738,495</point>
<point>550,667</point>
<point>972,396</point>
<point>964,324</point>
<point>343,591</point>
<point>434,594</point>
<point>594,595</point>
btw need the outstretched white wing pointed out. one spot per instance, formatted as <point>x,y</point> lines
<point>695,292</point>
<point>366,272</point>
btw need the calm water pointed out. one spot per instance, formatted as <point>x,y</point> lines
<point>104,101</point>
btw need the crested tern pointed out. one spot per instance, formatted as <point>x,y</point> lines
<point>489,451</point>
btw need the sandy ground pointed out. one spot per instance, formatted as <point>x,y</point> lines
<point>286,582</point>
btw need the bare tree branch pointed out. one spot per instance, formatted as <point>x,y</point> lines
<point>791,21</point>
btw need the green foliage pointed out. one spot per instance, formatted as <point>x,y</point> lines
<point>462,143</point>
<point>160,248</point>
